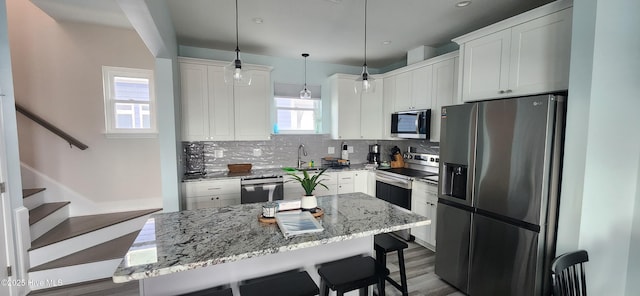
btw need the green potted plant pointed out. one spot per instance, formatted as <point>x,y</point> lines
<point>309,183</point>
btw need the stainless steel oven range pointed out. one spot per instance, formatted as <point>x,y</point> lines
<point>394,185</point>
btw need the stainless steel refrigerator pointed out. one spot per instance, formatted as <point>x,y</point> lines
<point>500,164</point>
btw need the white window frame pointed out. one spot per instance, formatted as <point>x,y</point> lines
<point>108,76</point>
<point>316,116</point>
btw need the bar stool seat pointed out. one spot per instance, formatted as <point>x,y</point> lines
<point>350,274</point>
<point>291,283</point>
<point>385,243</point>
<point>217,291</point>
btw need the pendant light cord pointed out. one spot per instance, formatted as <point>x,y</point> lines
<point>365,33</point>
<point>305,72</point>
<point>237,42</point>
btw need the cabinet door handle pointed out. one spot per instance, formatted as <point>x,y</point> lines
<point>501,92</point>
<point>508,91</point>
<point>214,188</point>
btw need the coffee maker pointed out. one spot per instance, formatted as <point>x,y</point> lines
<point>374,154</point>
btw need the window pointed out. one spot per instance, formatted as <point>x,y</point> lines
<point>129,101</point>
<point>295,115</point>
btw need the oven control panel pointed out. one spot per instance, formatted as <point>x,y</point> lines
<point>422,158</point>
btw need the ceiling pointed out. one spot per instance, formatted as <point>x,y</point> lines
<point>329,30</point>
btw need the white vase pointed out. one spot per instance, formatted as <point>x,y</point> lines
<point>308,202</point>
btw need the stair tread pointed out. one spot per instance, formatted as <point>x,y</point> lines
<point>113,249</point>
<point>76,226</point>
<point>45,210</point>
<point>31,191</point>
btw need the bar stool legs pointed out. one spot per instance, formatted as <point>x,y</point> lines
<point>355,273</point>
<point>385,243</point>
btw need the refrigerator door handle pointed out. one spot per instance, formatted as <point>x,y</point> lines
<point>472,156</point>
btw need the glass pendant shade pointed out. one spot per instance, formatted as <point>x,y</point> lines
<point>305,93</point>
<point>236,75</point>
<point>365,83</point>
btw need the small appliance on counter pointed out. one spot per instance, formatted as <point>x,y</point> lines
<point>374,154</point>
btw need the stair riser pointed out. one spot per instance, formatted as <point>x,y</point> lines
<point>68,275</point>
<point>60,249</point>
<point>33,201</point>
<point>43,226</point>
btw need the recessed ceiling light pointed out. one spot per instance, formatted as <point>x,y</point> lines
<point>386,42</point>
<point>463,3</point>
<point>258,20</point>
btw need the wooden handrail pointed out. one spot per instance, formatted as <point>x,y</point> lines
<point>39,120</point>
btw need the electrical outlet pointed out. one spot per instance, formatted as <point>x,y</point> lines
<point>350,149</point>
<point>257,152</point>
<point>331,150</point>
<point>218,153</point>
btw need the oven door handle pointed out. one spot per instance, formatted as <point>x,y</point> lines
<point>402,183</point>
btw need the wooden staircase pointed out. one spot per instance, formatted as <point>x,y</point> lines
<point>68,250</point>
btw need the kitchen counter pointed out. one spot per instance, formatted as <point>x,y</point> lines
<point>171,243</point>
<point>257,173</point>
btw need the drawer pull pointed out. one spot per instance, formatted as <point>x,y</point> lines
<point>215,188</point>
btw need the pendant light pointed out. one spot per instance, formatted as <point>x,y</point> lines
<point>305,93</point>
<point>233,73</point>
<point>365,83</point>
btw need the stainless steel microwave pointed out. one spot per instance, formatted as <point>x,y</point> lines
<point>413,124</point>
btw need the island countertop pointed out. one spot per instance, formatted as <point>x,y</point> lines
<point>186,240</point>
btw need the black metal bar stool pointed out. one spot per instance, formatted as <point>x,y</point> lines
<point>385,243</point>
<point>290,283</point>
<point>217,291</point>
<point>350,274</point>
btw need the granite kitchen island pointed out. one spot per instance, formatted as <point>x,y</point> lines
<point>187,251</point>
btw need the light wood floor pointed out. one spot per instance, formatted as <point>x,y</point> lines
<point>419,262</point>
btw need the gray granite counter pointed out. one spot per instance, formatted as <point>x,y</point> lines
<point>187,240</point>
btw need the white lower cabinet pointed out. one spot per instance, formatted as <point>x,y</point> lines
<point>337,183</point>
<point>424,201</point>
<point>346,182</point>
<point>211,194</point>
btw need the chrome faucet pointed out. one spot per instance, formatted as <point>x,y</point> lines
<point>304,151</point>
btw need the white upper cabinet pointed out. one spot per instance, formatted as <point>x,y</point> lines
<point>220,106</point>
<point>355,116</point>
<point>445,77</point>
<point>213,110</point>
<point>540,53</point>
<point>195,102</point>
<point>486,66</point>
<point>526,54</point>
<point>413,89</point>
<point>252,105</point>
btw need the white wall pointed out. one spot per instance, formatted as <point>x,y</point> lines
<point>57,74</point>
<point>602,151</point>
